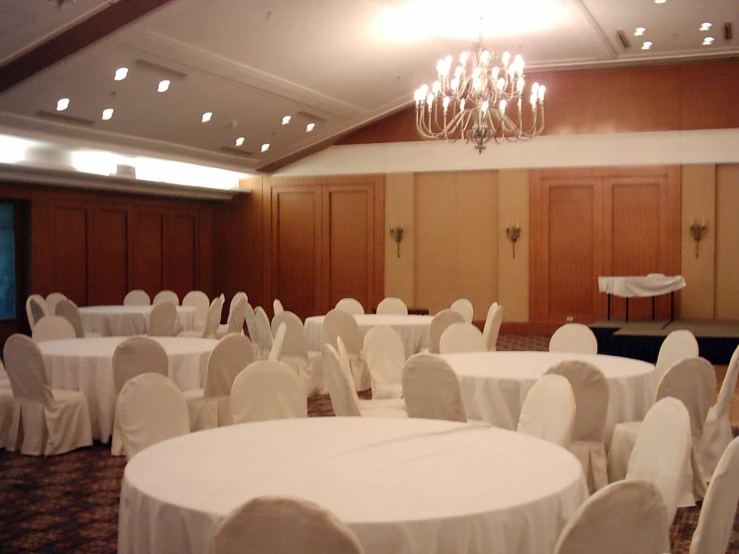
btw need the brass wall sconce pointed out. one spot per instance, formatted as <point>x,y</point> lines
<point>397,234</point>
<point>698,231</point>
<point>513,233</point>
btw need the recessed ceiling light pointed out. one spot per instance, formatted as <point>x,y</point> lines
<point>107,114</point>
<point>286,120</point>
<point>163,86</point>
<point>239,141</point>
<point>206,117</point>
<point>265,147</point>
<point>62,104</point>
<point>310,127</point>
<point>646,46</point>
<point>706,26</point>
<point>120,73</point>
<point>708,41</point>
<point>639,31</point>
<point>660,1</point>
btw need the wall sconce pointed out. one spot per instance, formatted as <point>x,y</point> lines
<point>513,233</point>
<point>697,231</point>
<point>397,234</point>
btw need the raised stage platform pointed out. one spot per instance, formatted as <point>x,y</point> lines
<point>717,340</point>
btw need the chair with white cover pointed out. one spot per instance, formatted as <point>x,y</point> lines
<point>53,327</point>
<point>52,300</point>
<point>295,353</point>
<point>438,325</point>
<point>212,320</point>
<point>267,390</point>
<point>35,309</point>
<point>548,411</point>
<point>384,353</point>
<point>279,338</point>
<point>150,409</point>
<point>136,297</point>
<point>717,432</point>
<point>678,345</point>
<point>339,323</point>
<point>69,310</point>
<point>574,337</point>
<point>199,300</point>
<point>44,421</point>
<point>431,389</point>
<point>491,330</point>
<point>209,407</point>
<point>463,307</point>
<point>392,306</point>
<point>264,332</point>
<point>166,296</point>
<point>716,519</point>
<point>163,320</point>
<point>461,337</point>
<point>350,306</point>
<point>277,307</point>
<point>592,395</point>
<point>6,407</point>
<point>251,328</point>
<point>661,453</point>
<point>271,524</point>
<point>692,381</point>
<point>235,310</point>
<point>627,516</point>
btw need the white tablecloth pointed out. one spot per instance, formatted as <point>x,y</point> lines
<point>404,486</point>
<point>494,384</point>
<point>87,365</point>
<point>641,286</point>
<point>413,329</point>
<point>126,321</point>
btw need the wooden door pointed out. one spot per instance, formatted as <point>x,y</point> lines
<point>70,235</point>
<point>180,261</point>
<point>146,252</point>
<point>109,259</point>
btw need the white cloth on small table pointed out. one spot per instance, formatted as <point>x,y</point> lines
<point>641,286</point>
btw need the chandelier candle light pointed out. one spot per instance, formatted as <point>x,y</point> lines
<point>472,101</point>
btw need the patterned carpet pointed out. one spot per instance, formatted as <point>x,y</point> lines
<point>69,504</point>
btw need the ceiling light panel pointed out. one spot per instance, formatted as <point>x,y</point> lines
<point>647,45</point>
<point>62,104</point>
<point>706,26</point>
<point>207,116</point>
<point>163,86</point>
<point>708,41</point>
<point>120,74</point>
<point>107,114</point>
<point>639,31</point>
<point>240,141</point>
<point>286,120</point>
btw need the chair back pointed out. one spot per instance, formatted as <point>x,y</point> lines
<point>384,353</point>
<point>264,331</point>
<point>678,345</point>
<point>53,327</point>
<point>339,323</point>
<point>344,398</point>
<point>237,316</point>
<point>235,300</point>
<point>461,337</point>
<point>213,319</point>
<point>150,409</point>
<point>267,390</point>
<point>625,516</point>
<point>166,296</point>
<point>574,337</point>
<point>491,329</point>
<point>276,352</point>
<point>431,389</point>
<point>69,311</point>
<point>439,323</point>
<point>350,305</point>
<point>137,297</point>
<point>463,307</point>
<point>198,300</point>
<point>36,309</point>
<point>295,343</point>
<point>251,323</point>
<point>271,524</point>
<point>26,370</point>
<point>163,320</point>
<point>548,411</point>
<point>277,307</point>
<point>52,300</point>
<point>728,386</point>
<point>392,306</point>
<point>229,357</point>
<point>137,355</point>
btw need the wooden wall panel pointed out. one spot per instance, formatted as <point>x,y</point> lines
<point>109,257</point>
<point>180,249</point>
<point>147,253</point>
<point>70,252</point>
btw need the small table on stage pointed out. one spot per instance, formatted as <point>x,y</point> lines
<point>643,286</point>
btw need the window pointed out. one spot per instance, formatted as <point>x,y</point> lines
<point>7,261</point>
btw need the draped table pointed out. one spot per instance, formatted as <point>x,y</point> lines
<point>87,365</point>
<point>409,486</point>
<point>126,321</point>
<point>494,384</point>
<point>413,329</point>
<point>641,286</point>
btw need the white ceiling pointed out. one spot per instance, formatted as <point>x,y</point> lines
<point>336,63</point>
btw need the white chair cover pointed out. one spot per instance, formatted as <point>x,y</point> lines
<point>438,325</point>
<point>463,307</point>
<point>277,307</point>
<point>342,324</point>
<point>491,330</point>
<point>267,390</point>
<point>212,320</point>
<point>295,354</point>
<point>574,337</point>
<point>717,429</point>
<point>44,421</point>
<point>431,389</point>
<point>253,330</point>
<point>209,407</point>
<point>392,306</point>
<point>350,305</point>
<point>163,320</point>
<point>137,297</point>
<point>678,345</point>
<point>264,331</point>
<point>166,296</point>
<point>35,309</point>
<point>592,395</point>
<point>548,412</point>
<point>198,300</point>
<point>662,451</point>
<point>272,524</point>
<point>53,327</point>
<point>276,352</point>
<point>69,310</point>
<point>52,300</point>
<point>235,319</point>
<point>150,409</point>
<point>461,337</point>
<point>384,353</point>
<point>628,516</point>
<point>716,520</point>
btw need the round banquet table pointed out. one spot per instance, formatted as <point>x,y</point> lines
<point>87,365</point>
<point>494,384</point>
<point>126,321</point>
<point>410,486</point>
<point>413,329</point>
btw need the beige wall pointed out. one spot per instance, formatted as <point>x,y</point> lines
<point>727,241</point>
<point>513,273</point>
<point>400,206</point>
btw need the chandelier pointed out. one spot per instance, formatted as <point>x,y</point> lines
<point>479,100</point>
